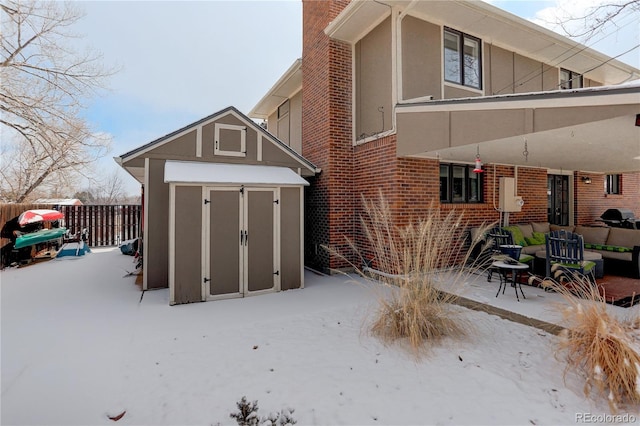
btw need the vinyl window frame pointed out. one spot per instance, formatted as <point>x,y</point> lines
<point>460,192</point>
<point>570,79</point>
<point>613,184</point>
<point>463,78</point>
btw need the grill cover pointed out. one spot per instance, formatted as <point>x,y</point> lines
<point>617,214</point>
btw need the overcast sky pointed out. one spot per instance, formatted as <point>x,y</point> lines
<point>181,61</point>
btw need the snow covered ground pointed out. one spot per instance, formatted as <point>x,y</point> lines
<point>78,345</point>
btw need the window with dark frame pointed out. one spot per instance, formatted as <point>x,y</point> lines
<point>612,184</point>
<point>570,79</point>
<point>459,184</point>
<point>462,59</point>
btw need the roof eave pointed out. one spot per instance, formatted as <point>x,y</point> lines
<point>287,85</point>
<point>360,17</point>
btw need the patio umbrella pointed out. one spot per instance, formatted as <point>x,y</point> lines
<point>39,215</point>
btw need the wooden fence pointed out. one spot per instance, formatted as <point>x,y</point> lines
<point>107,225</point>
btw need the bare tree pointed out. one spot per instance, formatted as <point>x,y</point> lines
<point>44,84</point>
<point>110,190</point>
<point>597,18</point>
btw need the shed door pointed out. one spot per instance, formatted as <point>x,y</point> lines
<point>223,267</point>
<point>241,241</point>
<point>260,238</point>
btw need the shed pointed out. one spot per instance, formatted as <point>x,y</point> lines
<point>222,210</point>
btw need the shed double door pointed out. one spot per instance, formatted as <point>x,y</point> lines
<point>241,241</point>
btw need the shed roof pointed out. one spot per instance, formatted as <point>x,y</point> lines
<point>307,167</point>
<point>222,173</point>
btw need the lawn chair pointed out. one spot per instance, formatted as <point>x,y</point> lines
<point>501,237</point>
<point>498,237</point>
<point>565,256</point>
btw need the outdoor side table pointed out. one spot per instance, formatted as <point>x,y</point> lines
<point>513,269</point>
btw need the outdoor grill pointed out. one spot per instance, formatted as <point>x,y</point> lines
<point>620,218</point>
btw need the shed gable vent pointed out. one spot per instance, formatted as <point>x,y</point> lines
<point>230,140</point>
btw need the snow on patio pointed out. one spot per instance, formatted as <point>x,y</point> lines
<point>78,346</point>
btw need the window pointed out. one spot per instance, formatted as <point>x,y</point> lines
<point>459,184</point>
<point>462,59</point>
<point>612,184</point>
<point>570,79</point>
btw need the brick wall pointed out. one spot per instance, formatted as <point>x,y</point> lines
<point>410,185</point>
<point>326,134</point>
<point>591,201</point>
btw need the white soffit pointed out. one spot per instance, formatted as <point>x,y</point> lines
<point>222,173</point>
<point>288,85</point>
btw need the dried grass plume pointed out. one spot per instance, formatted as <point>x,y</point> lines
<point>410,259</point>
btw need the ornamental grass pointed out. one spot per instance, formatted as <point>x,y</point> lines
<point>411,259</point>
<point>604,349</point>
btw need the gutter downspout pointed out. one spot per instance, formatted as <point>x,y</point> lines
<point>396,58</point>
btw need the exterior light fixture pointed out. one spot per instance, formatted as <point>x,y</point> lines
<point>586,179</point>
<point>478,168</point>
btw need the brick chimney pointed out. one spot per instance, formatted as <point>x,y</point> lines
<point>327,135</point>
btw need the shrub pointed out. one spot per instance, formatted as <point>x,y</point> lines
<point>411,259</point>
<point>247,415</point>
<point>606,350</point>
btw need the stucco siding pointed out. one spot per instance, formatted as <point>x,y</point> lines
<point>555,118</point>
<point>421,65</point>
<point>550,77</point>
<point>373,81</point>
<point>527,75</point>
<point>418,132</point>
<point>453,92</point>
<point>476,126</point>
<point>498,70</point>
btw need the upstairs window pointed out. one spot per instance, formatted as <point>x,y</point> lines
<point>462,59</point>
<point>612,184</point>
<point>459,184</point>
<point>570,79</point>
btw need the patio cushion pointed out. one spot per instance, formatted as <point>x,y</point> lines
<point>593,234</point>
<point>608,248</point>
<point>527,229</point>
<point>623,237</point>
<point>525,258</point>
<point>558,227</point>
<point>587,265</point>
<point>536,239</point>
<point>516,233</point>
<point>540,227</point>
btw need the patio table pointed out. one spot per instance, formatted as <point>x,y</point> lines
<point>514,270</point>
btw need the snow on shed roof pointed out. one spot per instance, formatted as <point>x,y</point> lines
<point>245,174</point>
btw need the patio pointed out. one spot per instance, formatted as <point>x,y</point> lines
<point>539,305</point>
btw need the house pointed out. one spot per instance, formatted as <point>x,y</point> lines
<point>222,209</point>
<point>453,102</point>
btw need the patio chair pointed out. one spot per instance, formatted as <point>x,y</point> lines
<point>501,237</point>
<point>565,256</point>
